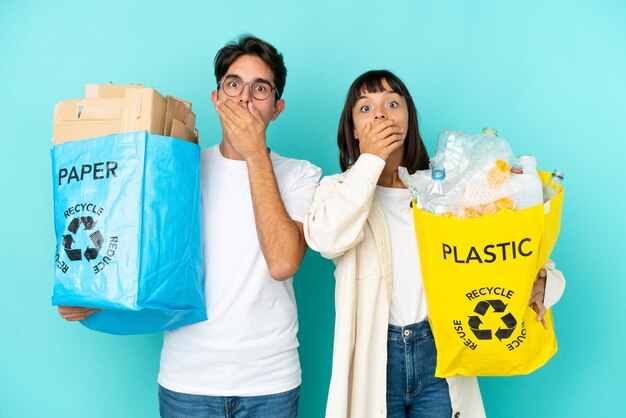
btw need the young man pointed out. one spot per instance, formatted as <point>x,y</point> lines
<point>243,361</point>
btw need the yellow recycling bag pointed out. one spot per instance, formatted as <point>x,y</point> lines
<point>478,275</point>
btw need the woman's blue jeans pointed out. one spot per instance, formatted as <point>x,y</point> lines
<point>412,388</point>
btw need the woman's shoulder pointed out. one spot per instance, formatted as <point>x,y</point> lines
<point>337,177</point>
<point>368,167</point>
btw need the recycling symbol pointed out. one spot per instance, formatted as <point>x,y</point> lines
<point>74,237</point>
<point>499,307</point>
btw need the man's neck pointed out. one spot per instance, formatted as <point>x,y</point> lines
<point>228,151</point>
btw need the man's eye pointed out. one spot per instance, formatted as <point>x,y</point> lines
<point>233,83</point>
<point>260,88</point>
<point>365,108</point>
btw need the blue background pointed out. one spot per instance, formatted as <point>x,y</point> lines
<point>551,76</point>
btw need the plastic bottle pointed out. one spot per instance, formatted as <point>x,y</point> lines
<point>451,152</point>
<point>435,199</point>
<point>553,186</point>
<point>527,184</point>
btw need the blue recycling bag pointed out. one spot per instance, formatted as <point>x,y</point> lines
<point>127,222</point>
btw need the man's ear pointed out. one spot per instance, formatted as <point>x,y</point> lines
<point>278,108</point>
<point>214,97</point>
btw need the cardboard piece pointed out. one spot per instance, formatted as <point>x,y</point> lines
<point>111,108</point>
<point>93,91</point>
<point>180,121</point>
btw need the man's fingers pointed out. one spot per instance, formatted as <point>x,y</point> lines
<point>235,112</point>
<point>240,113</point>
<point>255,112</point>
<point>72,309</point>
<point>74,317</point>
<point>237,109</point>
<point>73,313</point>
<point>238,118</point>
<point>227,118</point>
<point>226,113</point>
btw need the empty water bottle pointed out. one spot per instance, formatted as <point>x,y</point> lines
<point>553,186</point>
<point>435,199</point>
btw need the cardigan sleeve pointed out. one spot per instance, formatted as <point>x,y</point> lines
<point>340,208</point>
<point>555,285</point>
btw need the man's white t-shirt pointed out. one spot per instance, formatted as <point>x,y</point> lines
<point>248,346</point>
<point>408,302</point>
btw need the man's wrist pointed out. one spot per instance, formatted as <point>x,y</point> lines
<point>258,157</point>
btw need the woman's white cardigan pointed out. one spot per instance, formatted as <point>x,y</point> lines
<point>346,224</point>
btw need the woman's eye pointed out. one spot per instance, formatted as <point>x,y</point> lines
<point>394,104</point>
<point>365,108</point>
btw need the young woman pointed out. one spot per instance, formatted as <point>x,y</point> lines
<point>384,354</point>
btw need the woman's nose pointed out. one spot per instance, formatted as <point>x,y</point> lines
<point>379,113</point>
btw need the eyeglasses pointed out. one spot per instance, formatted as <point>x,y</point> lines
<point>233,87</point>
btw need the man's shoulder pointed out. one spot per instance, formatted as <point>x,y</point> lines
<point>286,166</point>
<point>280,159</point>
<point>210,152</point>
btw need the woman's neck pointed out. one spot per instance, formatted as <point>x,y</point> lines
<point>390,177</point>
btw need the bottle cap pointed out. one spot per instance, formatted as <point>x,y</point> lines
<point>438,173</point>
<point>558,174</point>
<point>490,130</point>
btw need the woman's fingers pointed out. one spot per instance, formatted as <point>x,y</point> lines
<point>385,134</point>
<point>380,126</point>
<point>381,138</point>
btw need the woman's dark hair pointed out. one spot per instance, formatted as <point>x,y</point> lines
<point>251,45</point>
<point>415,154</point>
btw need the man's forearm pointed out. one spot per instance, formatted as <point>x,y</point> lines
<point>281,240</point>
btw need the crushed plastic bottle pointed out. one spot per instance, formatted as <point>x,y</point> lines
<point>451,152</point>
